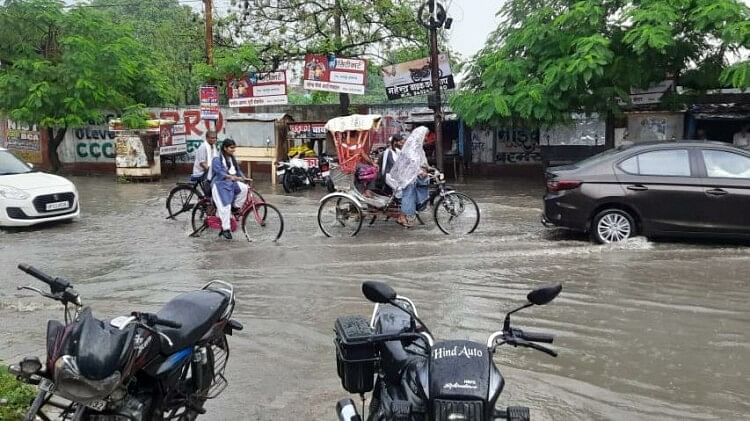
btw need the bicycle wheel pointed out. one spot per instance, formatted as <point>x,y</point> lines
<point>263,222</point>
<point>339,216</point>
<point>200,212</point>
<point>456,213</point>
<point>182,199</point>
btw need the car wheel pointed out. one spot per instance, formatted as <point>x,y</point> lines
<point>612,226</point>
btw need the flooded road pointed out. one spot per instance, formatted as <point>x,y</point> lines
<point>647,331</point>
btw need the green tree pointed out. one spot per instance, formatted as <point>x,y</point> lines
<point>285,30</point>
<point>551,57</point>
<point>63,67</point>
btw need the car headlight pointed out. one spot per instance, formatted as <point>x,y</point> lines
<point>9,192</point>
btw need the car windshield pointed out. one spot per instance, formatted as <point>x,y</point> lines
<point>9,164</point>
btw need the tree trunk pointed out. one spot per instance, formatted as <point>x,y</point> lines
<point>54,139</point>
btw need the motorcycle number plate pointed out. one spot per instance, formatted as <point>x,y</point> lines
<point>97,405</point>
<point>326,173</point>
<point>280,172</point>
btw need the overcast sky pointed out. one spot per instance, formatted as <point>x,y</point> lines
<point>473,20</point>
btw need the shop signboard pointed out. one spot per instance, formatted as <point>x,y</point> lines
<point>414,78</point>
<point>335,74</point>
<point>307,130</point>
<point>258,89</point>
<point>209,97</point>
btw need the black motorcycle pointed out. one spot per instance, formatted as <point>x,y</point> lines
<point>424,72</point>
<point>415,379</point>
<point>296,174</point>
<point>143,367</point>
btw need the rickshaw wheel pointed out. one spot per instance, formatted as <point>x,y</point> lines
<point>339,216</point>
<point>456,214</point>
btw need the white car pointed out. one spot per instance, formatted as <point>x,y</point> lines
<point>28,197</point>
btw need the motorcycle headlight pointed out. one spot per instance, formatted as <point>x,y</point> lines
<point>71,384</point>
<point>9,192</point>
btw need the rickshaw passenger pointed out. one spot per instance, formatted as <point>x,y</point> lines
<point>228,188</point>
<point>386,161</point>
<point>408,177</point>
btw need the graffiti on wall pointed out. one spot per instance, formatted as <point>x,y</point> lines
<point>518,146</point>
<point>481,146</point>
<point>96,144</point>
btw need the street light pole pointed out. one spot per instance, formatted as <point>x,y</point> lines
<point>435,73</point>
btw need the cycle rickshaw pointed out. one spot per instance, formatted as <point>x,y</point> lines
<point>342,213</point>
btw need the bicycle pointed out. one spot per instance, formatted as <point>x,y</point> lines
<point>185,196</point>
<point>260,220</point>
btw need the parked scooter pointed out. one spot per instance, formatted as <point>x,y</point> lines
<point>143,367</point>
<point>296,174</point>
<point>413,378</point>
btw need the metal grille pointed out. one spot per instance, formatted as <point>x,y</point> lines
<point>40,202</point>
<point>445,410</point>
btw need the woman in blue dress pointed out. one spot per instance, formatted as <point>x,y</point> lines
<point>228,186</point>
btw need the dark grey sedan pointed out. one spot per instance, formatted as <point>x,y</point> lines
<point>686,188</point>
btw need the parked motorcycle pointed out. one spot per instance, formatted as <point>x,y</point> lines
<point>143,367</point>
<point>412,377</point>
<point>297,174</point>
<point>424,72</point>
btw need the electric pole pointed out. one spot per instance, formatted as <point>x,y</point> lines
<point>434,20</point>
<point>435,73</point>
<point>208,11</point>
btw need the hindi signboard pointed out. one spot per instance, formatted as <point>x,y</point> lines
<point>335,74</point>
<point>415,77</point>
<point>209,97</point>
<point>258,89</point>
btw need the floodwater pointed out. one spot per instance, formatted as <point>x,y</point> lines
<point>645,330</point>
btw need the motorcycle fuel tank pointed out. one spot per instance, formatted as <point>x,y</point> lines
<point>459,370</point>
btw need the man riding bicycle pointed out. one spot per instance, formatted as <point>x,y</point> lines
<point>204,155</point>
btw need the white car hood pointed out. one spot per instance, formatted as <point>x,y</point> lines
<point>35,180</point>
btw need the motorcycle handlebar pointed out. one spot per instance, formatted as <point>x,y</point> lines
<point>541,348</point>
<point>536,337</point>
<point>56,284</point>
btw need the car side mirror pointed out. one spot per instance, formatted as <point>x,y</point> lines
<point>378,292</point>
<point>544,295</point>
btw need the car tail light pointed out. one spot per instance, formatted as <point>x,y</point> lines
<point>560,185</point>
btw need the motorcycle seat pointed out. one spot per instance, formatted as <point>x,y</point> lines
<point>102,348</point>
<point>197,311</point>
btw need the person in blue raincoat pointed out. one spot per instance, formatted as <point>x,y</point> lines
<point>228,186</point>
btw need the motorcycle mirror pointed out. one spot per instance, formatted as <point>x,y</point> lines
<point>378,292</point>
<point>544,295</point>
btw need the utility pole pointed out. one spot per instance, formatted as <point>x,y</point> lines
<point>434,72</point>
<point>208,11</point>
<point>344,100</point>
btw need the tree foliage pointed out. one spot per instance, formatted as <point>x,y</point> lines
<point>173,32</point>
<point>65,67</point>
<point>551,57</point>
<point>285,30</point>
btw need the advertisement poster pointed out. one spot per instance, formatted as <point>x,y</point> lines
<point>335,74</point>
<point>258,89</point>
<point>209,97</point>
<point>414,78</point>
<point>24,142</point>
<point>172,139</point>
